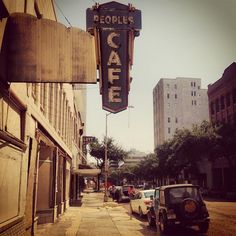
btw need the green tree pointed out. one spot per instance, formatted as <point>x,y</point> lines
<point>114,152</point>
<point>185,150</point>
<point>225,147</point>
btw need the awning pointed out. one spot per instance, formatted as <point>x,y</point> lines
<point>87,172</point>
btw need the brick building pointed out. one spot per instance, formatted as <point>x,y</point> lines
<point>222,109</point>
<point>222,97</point>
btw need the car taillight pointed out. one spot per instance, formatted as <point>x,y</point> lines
<point>147,202</point>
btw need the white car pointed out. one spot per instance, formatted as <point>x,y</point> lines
<point>140,201</point>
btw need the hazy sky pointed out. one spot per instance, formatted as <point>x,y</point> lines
<point>179,38</point>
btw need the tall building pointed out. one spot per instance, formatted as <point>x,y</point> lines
<point>222,109</point>
<point>177,103</point>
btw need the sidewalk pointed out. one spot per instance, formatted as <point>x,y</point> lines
<point>95,218</point>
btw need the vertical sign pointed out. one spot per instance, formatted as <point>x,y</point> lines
<point>114,26</point>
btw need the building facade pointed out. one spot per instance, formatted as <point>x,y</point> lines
<point>134,158</point>
<point>177,103</point>
<point>222,97</point>
<point>222,109</point>
<point>41,129</point>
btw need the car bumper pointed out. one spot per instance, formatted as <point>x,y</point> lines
<point>187,222</point>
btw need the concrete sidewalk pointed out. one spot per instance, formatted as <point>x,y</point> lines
<point>95,218</point>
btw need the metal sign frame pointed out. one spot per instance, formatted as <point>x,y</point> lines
<point>114,26</point>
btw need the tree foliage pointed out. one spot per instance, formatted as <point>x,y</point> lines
<point>187,148</point>
<point>114,151</point>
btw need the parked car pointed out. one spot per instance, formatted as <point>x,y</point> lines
<point>122,193</point>
<point>179,205</point>
<point>140,201</point>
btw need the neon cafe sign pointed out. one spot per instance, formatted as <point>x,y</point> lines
<point>114,26</point>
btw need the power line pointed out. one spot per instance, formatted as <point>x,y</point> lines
<point>62,13</point>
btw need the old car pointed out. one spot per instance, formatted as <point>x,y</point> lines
<point>179,205</point>
<point>140,201</point>
<point>122,193</point>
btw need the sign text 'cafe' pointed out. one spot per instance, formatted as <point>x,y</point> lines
<point>114,26</point>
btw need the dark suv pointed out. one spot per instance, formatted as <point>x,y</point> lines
<point>180,204</point>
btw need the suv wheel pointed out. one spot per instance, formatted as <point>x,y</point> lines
<point>151,221</point>
<point>203,227</point>
<point>190,208</point>
<point>140,212</point>
<point>163,225</point>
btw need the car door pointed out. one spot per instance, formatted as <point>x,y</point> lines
<point>133,202</point>
<point>138,202</point>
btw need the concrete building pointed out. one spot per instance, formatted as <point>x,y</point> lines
<point>41,124</point>
<point>177,103</point>
<point>133,158</point>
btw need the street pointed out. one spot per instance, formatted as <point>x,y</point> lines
<point>222,215</point>
<point>94,217</point>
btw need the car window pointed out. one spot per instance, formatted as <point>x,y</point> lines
<point>157,194</point>
<point>148,194</point>
<point>177,195</point>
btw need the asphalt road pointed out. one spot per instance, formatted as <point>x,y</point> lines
<point>222,221</point>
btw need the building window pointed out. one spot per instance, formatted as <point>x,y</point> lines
<point>175,86</point>
<point>217,105</point>
<point>191,84</point>
<point>195,102</point>
<point>168,130</point>
<point>191,93</point>
<point>168,95</point>
<point>194,84</point>
<point>212,108</point>
<point>222,102</point>
<point>168,119</point>
<point>176,120</point>
<point>194,93</point>
<point>167,85</point>
<point>175,96</point>
<point>227,99</point>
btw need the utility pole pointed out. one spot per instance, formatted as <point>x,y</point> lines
<point>106,161</point>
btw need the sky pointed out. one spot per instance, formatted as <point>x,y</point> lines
<point>179,38</point>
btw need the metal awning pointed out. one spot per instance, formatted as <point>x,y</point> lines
<point>87,172</point>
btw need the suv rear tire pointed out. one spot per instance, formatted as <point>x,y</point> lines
<point>140,212</point>
<point>203,227</point>
<point>151,221</point>
<point>163,224</point>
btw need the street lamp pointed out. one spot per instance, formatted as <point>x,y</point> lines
<point>106,162</point>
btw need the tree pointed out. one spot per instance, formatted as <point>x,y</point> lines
<point>185,150</point>
<point>225,147</point>
<point>114,152</point>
